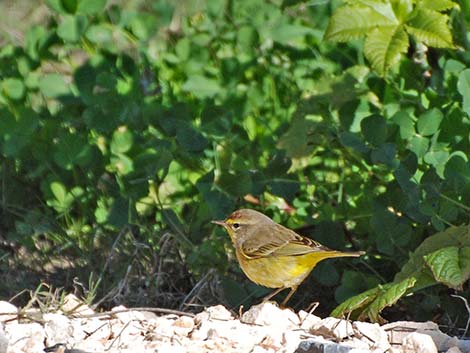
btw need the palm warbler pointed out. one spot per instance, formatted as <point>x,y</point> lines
<point>272,255</point>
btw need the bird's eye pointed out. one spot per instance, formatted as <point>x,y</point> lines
<point>236,225</point>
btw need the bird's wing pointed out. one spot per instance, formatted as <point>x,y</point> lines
<point>280,241</point>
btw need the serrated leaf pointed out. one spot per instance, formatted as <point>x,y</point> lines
<point>439,6</point>
<point>454,236</point>
<point>444,264</point>
<point>384,45</point>
<point>431,28</point>
<point>464,259</point>
<point>351,22</point>
<point>387,297</point>
<point>463,86</point>
<point>354,303</point>
<point>402,8</point>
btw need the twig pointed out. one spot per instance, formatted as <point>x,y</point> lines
<point>468,312</point>
<point>198,285</point>
<point>155,310</point>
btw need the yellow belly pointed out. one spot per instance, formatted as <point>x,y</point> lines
<point>279,271</point>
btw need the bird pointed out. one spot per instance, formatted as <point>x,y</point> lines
<point>272,255</point>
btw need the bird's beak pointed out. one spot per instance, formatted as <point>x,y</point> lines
<point>220,223</point>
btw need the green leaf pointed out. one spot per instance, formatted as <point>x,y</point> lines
<point>121,164</point>
<point>431,28</point>
<point>99,34</point>
<point>374,129</point>
<point>72,28</point>
<point>91,7</point>
<point>385,154</point>
<point>53,86</point>
<point>444,264</point>
<point>62,6</point>
<point>13,88</point>
<point>354,303</point>
<point>190,139</point>
<point>59,191</point>
<point>387,297</point>
<point>352,140</point>
<point>405,123</point>
<point>351,22</point>
<point>453,236</point>
<point>463,86</point>
<point>288,34</point>
<point>428,123</point>
<point>297,139</point>
<point>402,8</point>
<point>384,45</point>
<point>439,6</point>
<point>201,86</point>
<point>72,150</point>
<point>122,140</point>
<point>419,145</point>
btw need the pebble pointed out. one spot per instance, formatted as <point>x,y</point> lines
<point>265,328</point>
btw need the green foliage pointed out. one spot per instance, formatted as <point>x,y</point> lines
<point>442,258</point>
<point>386,26</point>
<point>126,129</point>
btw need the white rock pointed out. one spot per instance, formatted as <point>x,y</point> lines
<point>6,308</point>
<point>397,331</point>
<point>372,334</point>
<point>268,314</point>
<point>164,329</point>
<point>331,327</point>
<point>126,316</point>
<point>3,341</point>
<point>73,305</point>
<point>183,325</point>
<point>291,340</point>
<point>307,320</point>
<point>219,312</point>
<point>27,337</point>
<point>57,328</point>
<point>454,350</point>
<point>418,343</point>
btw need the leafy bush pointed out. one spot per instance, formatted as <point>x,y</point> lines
<point>154,120</point>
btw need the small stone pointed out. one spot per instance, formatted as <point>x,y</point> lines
<point>25,337</point>
<point>418,343</point>
<point>9,310</point>
<point>372,334</point>
<point>331,327</point>
<point>454,350</point>
<point>219,312</point>
<point>3,341</point>
<point>397,331</point>
<point>58,328</point>
<point>321,345</point>
<point>268,314</point>
<point>307,320</point>
<point>183,325</point>
<point>127,316</point>
<point>73,305</point>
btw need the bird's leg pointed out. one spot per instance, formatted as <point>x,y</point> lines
<point>270,295</point>
<point>291,293</point>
